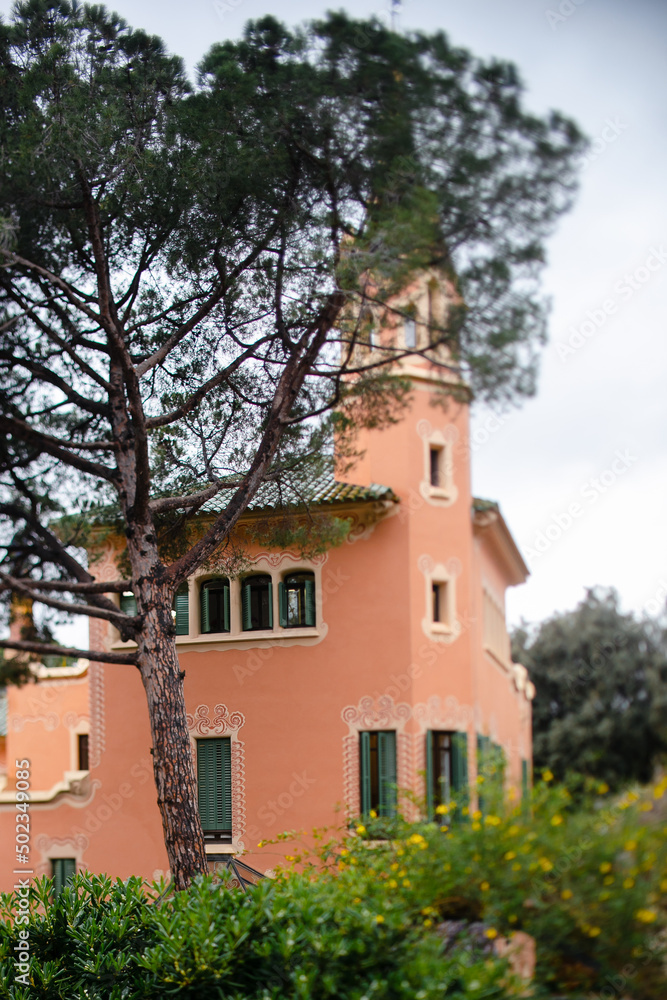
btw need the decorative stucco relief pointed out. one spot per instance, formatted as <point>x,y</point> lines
<point>222,722</point>
<point>371,714</point>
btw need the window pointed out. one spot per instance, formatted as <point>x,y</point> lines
<point>181,610</point>
<point>128,603</point>
<point>438,602</point>
<point>214,788</point>
<point>296,600</point>
<point>82,747</point>
<point>62,870</point>
<point>214,602</point>
<point>433,310</point>
<point>435,467</point>
<point>257,603</point>
<point>446,769</point>
<point>410,333</point>
<point>378,772</point>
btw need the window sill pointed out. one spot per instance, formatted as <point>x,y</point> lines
<point>220,849</point>
<point>441,629</point>
<point>224,640</point>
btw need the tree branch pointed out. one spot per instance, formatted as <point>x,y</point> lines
<point>44,649</point>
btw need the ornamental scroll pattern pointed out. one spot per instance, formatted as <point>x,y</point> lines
<point>222,722</point>
<point>51,848</point>
<point>374,713</point>
<point>442,714</point>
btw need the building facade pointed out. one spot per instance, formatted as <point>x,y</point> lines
<point>316,689</point>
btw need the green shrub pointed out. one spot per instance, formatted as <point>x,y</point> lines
<point>289,937</point>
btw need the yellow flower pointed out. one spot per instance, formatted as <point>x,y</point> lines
<point>556,820</point>
<point>608,880</point>
<point>395,866</point>
<point>630,845</point>
<point>516,867</point>
<point>344,852</point>
<point>261,843</point>
<point>356,899</point>
<point>663,885</point>
<point>628,883</point>
<point>416,838</point>
<point>477,814</point>
<point>603,788</point>
<point>373,814</point>
<point>361,829</point>
<point>545,864</point>
<point>465,811</point>
<point>476,826</point>
<point>566,894</point>
<point>510,855</point>
<point>379,919</point>
<point>659,791</point>
<point>493,820</point>
<point>402,874</point>
<point>428,923</point>
<point>491,933</point>
<point>406,883</point>
<point>646,807</point>
<point>484,886</point>
<point>480,779</point>
<point>512,918</point>
<point>646,916</point>
<point>604,896</point>
<point>593,931</point>
<point>605,867</point>
<point>547,775</point>
<point>289,857</point>
<point>392,883</point>
<point>442,810</point>
<point>513,830</point>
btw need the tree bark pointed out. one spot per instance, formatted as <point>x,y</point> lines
<point>173,764</point>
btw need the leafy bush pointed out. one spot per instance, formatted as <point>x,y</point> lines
<point>587,882</point>
<point>290,937</point>
<point>413,917</point>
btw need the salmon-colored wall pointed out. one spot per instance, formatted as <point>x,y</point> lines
<point>295,709</point>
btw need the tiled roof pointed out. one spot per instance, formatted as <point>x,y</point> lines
<point>324,490</point>
<point>482,506</point>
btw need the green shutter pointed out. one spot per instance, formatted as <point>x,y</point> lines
<point>205,618</point>
<point>387,773</point>
<point>282,604</point>
<point>182,609</point>
<point>365,767</point>
<point>460,769</point>
<point>483,743</point>
<point>430,798</point>
<point>525,786</point>
<point>270,588</point>
<point>62,870</point>
<point>214,780</point>
<point>246,607</point>
<point>226,615</point>
<point>310,602</point>
<point>128,604</point>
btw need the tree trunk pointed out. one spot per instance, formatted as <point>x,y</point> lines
<point>173,764</point>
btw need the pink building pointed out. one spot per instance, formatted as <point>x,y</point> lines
<point>310,684</point>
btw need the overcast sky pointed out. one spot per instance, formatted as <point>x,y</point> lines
<point>581,470</point>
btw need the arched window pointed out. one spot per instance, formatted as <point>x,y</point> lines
<point>257,603</point>
<point>214,604</point>
<point>296,596</point>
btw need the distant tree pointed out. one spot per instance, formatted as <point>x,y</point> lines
<point>186,275</point>
<point>600,675</point>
